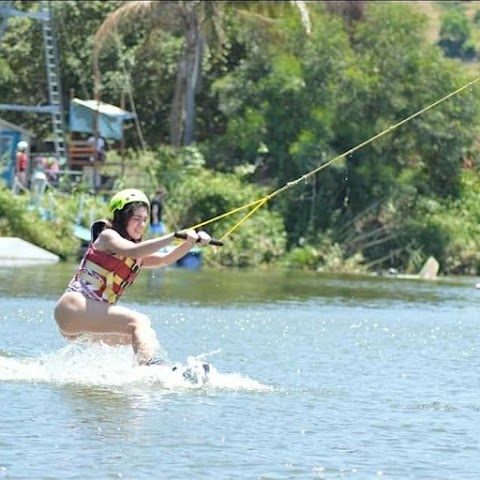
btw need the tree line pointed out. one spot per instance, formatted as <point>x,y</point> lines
<point>270,95</point>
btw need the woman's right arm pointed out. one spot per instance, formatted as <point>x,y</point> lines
<point>111,241</point>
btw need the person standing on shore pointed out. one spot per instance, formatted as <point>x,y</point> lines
<point>156,212</point>
<point>21,165</point>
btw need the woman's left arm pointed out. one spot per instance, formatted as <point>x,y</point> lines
<point>163,259</point>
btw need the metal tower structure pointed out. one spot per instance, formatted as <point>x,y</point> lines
<point>55,107</point>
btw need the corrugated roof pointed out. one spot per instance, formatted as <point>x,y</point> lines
<point>104,108</point>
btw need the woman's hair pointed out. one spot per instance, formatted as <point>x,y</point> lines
<point>123,216</point>
<point>98,226</point>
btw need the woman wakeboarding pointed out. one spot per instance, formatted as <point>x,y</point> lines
<point>110,265</point>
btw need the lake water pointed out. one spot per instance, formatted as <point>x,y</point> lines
<point>313,377</point>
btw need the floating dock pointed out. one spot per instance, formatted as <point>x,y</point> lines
<point>16,252</point>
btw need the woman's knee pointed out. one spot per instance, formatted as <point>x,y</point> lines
<point>62,317</point>
<point>140,322</point>
<point>69,304</point>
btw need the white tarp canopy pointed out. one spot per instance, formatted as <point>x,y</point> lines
<point>110,118</point>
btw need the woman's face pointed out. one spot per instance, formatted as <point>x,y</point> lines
<point>138,223</point>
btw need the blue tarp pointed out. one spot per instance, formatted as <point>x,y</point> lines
<point>110,118</point>
<point>10,135</point>
<point>83,233</point>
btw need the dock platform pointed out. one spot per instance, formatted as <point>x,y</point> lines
<point>15,252</point>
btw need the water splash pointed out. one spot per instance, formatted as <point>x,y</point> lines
<point>105,366</point>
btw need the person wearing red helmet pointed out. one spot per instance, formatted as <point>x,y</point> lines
<point>110,265</point>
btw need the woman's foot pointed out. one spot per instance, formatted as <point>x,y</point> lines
<point>155,361</point>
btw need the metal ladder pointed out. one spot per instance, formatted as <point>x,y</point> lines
<point>54,107</point>
<point>54,83</point>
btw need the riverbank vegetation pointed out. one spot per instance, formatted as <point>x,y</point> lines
<point>272,105</point>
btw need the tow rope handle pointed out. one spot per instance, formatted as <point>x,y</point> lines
<point>213,241</point>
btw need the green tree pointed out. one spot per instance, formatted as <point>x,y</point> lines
<point>48,228</point>
<point>455,33</point>
<point>198,22</point>
<point>342,88</point>
<point>197,194</point>
<point>284,100</point>
<point>23,77</point>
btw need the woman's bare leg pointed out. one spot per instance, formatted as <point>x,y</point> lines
<point>76,315</point>
<point>111,339</point>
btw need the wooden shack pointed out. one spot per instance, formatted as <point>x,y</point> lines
<point>93,124</point>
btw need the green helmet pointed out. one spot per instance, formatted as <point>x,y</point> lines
<point>122,198</point>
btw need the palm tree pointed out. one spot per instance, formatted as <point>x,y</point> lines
<point>199,22</point>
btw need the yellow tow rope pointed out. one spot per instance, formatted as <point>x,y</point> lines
<point>259,203</point>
